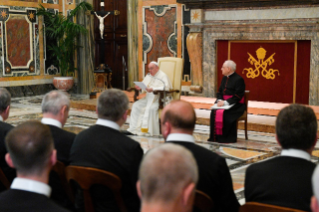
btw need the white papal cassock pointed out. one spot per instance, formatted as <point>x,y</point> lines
<point>144,114</point>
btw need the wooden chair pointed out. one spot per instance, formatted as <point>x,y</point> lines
<point>4,180</point>
<point>59,168</point>
<point>203,202</point>
<point>255,206</point>
<point>87,177</point>
<point>244,116</point>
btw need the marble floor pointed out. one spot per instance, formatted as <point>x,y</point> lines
<point>260,146</point>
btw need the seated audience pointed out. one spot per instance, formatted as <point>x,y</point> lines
<point>31,152</point>
<point>55,109</point>
<point>178,123</point>
<point>104,147</point>
<point>315,188</point>
<point>167,179</point>
<point>286,180</point>
<point>5,100</point>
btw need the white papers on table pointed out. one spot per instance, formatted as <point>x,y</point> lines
<point>225,107</point>
<point>141,85</point>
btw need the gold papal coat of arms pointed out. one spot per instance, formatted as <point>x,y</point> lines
<point>261,65</point>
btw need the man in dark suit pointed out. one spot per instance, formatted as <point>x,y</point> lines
<point>32,153</point>
<point>167,179</point>
<point>55,109</point>
<point>315,188</point>
<point>223,123</point>
<point>286,180</point>
<point>5,100</point>
<point>178,123</point>
<point>104,147</point>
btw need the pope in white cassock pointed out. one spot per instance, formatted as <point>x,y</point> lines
<point>144,114</point>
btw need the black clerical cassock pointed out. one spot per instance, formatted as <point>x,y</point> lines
<point>223,123</point>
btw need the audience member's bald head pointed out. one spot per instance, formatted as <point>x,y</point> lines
<point>178,117</point>
<point>30,146</point>
<point>165,173</point>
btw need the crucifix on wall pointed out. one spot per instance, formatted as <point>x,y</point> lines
<point>102,74</point>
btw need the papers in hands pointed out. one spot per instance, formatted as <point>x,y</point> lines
<point>215,107</point>
<point>141,85</point>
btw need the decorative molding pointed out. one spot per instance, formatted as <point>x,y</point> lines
<point>148,41</point>
<point>10,65</point>
<point>25,82</point>
<point>215,4</point>
<point>197,16</point>
<point>50,1</point>
<point>160,10</point>
<point>263,14</point>
<point>172,41</point>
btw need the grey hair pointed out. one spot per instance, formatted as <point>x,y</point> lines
<point>165,171</point>
<point>231,64</point>
<point>53,101</point>
<point>112,104</point>
<point>5,99</point>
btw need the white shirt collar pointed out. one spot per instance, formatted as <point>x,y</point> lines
<point>50,121</point>
<point>108,123</point>
<point>31,185</point>
<point>180,137</point>
<point>297,153</point>
<point>1,119</point>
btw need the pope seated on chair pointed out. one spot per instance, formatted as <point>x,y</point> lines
<point>144,114</point>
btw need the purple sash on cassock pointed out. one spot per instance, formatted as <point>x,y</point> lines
<point>219,116</point>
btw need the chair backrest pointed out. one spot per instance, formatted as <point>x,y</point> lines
<point>246,97</point>
<point>255,206</point>
<point>173,67</point>
<point>59,168</point>
<point>86,177</point>
<point>203,202</point>
<point>4,180</point>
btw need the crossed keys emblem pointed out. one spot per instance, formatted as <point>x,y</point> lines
<point>261,65</point>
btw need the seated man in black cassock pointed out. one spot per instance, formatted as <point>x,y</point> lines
<point>223,123</point>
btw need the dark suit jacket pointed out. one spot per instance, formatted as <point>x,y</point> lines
<point>24,201</point>
<point>105,148</point>
<point>9,172</point>
<point>214,177</point>
<point>63,141</point>
<point>283,181</point>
